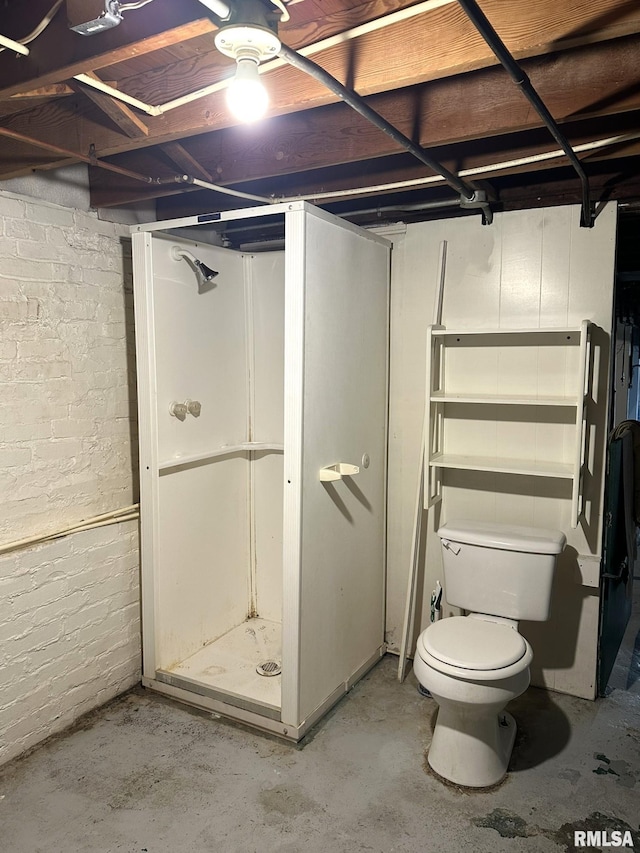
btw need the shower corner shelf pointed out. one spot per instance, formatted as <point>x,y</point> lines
<point>217,453</point>
<point>476,368</point>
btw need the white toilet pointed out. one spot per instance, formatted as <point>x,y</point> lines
<point>474,665</point>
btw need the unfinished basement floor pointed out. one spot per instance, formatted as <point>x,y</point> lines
<point>145,775</point>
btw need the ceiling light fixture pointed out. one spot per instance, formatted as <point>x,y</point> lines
<point>249,37</point>
<point>247,96</point>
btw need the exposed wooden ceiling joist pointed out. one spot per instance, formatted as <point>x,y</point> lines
<point>59,53</point>
<point>483,104</point>
<point>185,161</point>
<point>539,189</point>
<point>120,114</point>
<point>432,76</point>
<point>110,190</point>
<point>442,44</point>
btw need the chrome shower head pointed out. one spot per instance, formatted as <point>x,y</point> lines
<point>205,272</point>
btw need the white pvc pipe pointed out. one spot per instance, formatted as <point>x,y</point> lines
<point>465,173</point>
<point>44,23</point>
<point>227,191</point>
<point>127,513</point>
<point>117,94</point>
<point>10,44</point>
<point>420,182</point>
<point>218,7</point>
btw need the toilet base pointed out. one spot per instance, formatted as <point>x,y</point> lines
<point>471,749</point>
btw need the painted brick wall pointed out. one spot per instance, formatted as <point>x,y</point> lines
<point>69,612</point>
<point>69,631</point>
<point>66,367</point>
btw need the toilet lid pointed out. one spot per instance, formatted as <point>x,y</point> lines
<point>473,643</point>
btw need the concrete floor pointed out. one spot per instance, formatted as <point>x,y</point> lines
<point>145,775</point>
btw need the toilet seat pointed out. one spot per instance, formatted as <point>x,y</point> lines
<point>474,648</point>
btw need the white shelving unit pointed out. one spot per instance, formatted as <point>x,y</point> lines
<point>508,401</point>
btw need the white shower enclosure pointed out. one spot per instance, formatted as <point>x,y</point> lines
<point>263,412</point>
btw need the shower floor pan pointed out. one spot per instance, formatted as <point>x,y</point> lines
<point>226,668</point>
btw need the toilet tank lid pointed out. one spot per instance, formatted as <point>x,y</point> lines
<point>531,540</point>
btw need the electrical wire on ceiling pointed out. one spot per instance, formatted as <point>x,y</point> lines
<point>44,23</point>
<point>285,16</point>
<point>216,8</point>
<point>127,6</point>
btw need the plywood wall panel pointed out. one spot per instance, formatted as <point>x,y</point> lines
<point>555,266</point>
<point>529,269</point>
<point>521,253</point>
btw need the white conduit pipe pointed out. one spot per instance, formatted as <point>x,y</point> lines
<point>19,46</point>
<point>309,50</point>
<point>128,513</point>
<point>217,188</point>
<point>117,94</point>
<point>420,182</point>
<point>476,171</point>
<point>218,7</point>
<point>10,44</point>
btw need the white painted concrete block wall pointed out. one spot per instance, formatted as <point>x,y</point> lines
<point>69,613</point>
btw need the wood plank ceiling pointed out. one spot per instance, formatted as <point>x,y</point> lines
<point>429,73</point>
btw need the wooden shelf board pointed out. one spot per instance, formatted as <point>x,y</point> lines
<point>503,466</point>
<point>568,330</point>
<point>503,399</point>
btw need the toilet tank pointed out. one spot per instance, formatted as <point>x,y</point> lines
<point>499,569</point>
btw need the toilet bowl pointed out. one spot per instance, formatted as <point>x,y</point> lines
<point>474,665</point>
<point>485,666</point>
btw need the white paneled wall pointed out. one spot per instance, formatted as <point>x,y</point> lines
<point>69,609</point>
<point>529,269</point>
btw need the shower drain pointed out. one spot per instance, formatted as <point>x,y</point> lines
<point>269,668</point>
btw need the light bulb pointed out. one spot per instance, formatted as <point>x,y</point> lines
<point>247,98</point>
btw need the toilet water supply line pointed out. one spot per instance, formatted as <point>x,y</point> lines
<point>127,513</point>
<point>436,603</point>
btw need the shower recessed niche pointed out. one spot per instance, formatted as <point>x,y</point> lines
<point>263,412</point>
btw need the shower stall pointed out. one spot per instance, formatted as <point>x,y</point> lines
<point>262,386</point>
